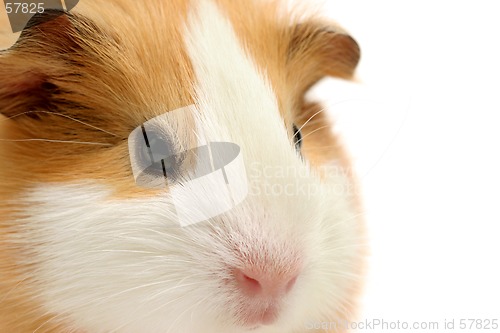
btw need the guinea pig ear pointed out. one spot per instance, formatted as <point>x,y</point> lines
<point>29,70</point>
<point>318,49</point>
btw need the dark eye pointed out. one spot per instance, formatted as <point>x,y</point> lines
<point>297,138</point>
<point>160,156</point>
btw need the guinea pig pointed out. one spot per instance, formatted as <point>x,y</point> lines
<point>87,246</point>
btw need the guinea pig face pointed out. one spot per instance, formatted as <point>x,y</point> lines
<point>86,246</point>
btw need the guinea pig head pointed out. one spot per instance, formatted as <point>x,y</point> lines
<point>252,222</point>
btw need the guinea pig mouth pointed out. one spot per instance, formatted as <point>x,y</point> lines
<point>254,320</point>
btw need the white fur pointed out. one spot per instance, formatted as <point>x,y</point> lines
<point>123,266</point>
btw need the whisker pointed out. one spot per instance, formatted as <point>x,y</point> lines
<point>346,247</point>
<point>58,141</point>
<point>179,285</point>
<point>323,147</point>
<point>350,218</point>
<point>107,298</point>
<point>48,321</point>
<point>197,304</point>
<point>183,312</point>
<point>317,129</point>
<point>308,120</point>
<point>7,294</point>
<point>327,106</point>
<point>65,116</point>
<point>155,310</point>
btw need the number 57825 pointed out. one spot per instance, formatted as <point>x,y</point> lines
<point>24,8</point>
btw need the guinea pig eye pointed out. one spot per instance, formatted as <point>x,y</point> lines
<point>297,138</point>
<point>159,155</point>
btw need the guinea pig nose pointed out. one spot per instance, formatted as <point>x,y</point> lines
<point>255,283</point>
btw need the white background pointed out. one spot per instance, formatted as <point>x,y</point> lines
<point>424,131</point>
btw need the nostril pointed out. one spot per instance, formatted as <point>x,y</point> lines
<point>254,283</point>
<point>247,283</point>
<point>262,290</point>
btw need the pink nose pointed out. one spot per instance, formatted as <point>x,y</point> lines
<point>259,283</point>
